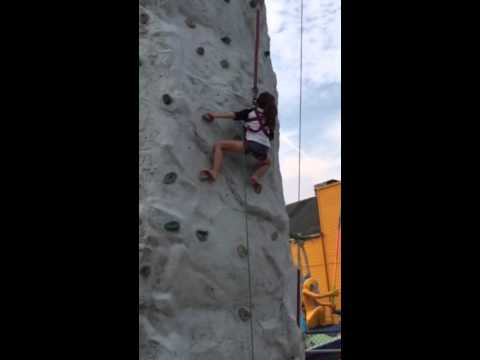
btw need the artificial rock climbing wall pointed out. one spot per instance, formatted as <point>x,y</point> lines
<point>215,272</point>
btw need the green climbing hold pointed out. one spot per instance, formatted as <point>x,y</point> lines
<point>202,235</point>
<point>144,18</point>
<point>242,251</point>
<point>167,99</point>
<point>224,64</point>
<point>172,226</point>
<point>145,271</point>
<point>170,178</point>
<point>190,23</point>
<point>244,314</point>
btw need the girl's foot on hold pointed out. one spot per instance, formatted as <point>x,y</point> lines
<point>257,187</point>
<point>207,175</point>
<point>207,117</point>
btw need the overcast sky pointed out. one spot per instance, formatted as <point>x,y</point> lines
<point>321,90</point>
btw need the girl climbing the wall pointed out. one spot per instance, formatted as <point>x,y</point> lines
<point>259,126</point>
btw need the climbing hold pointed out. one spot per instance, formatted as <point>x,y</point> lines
<point>144,18</point>
<point>190,23</point>
<point>242,251</point>
<point>210,291</point>
<point>224,64</point>
<point>243,314</point>
<point>145,271</point>
<point>274,236</point>
<point>172,226</point>
<point>139,62</point>
<point>227,1</point>
<point>253,3</point>
<point>170,178</point>
<point>267,53</point>
<point>226,40</point>
<point>167,99</point>
<point>202,235</point>
<point>200,51</point>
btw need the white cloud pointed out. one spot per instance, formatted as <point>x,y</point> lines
<point>321,40</point>
<point>321,135</point>
<point>334,133</point>
<point>314,170</point>
<point>322,163</point>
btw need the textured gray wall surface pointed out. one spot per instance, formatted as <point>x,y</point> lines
<point>195,280</point>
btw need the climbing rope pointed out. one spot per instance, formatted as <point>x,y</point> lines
<point>254,101</point>
<point>300,126</point>
<point>300,91</point>
<point>252,347</point>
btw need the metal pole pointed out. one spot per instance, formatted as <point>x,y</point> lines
<point>298,298</point>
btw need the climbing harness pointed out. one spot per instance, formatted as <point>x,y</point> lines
<point>262,127</point>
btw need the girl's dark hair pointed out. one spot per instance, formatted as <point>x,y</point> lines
<point>266,101</point>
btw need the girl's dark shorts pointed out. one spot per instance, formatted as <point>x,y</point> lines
<point>259,151</point>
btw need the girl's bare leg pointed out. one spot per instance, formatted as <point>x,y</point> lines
<point>262,169</point>
<point>218,150</point>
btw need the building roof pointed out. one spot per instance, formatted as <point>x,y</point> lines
<point>326,183</point>
<point>304,217</point>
